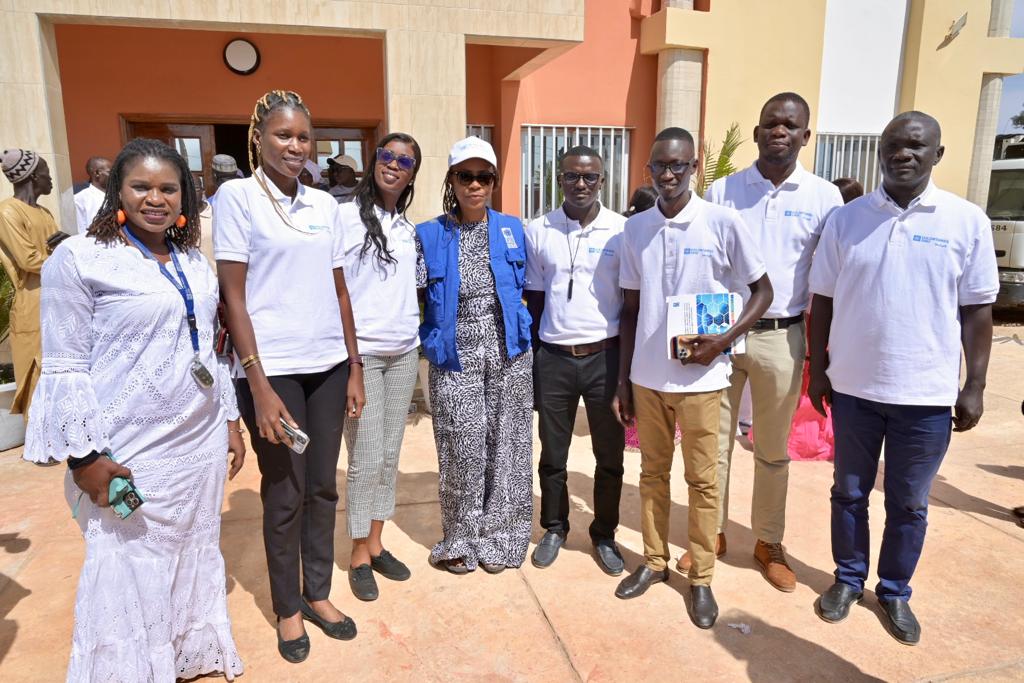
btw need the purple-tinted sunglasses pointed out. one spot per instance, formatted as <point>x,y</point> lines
<point>386,156</point>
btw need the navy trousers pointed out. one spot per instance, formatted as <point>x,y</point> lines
<point>916,439</point>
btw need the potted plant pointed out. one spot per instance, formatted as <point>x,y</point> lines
<point>12,427</point>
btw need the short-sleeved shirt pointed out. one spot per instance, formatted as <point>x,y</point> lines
<point>289,285</point>
<point>785,222</point>
<point>897,278</point>
<point>87,204</point>
<point>703,249</point>
<point>387,314</point>
<point>558,251</point>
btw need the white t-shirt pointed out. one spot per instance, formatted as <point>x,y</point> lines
<point>555,245</point>
<point>289,286</point>
<point>703,249</point>
<point>384,303</point>
<point>786,223</point>
<point>87,205</point>
<point>897,279</point>
<point>343,194</point>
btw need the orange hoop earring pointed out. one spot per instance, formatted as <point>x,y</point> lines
<point>182,221</point>
<point>121,218</point>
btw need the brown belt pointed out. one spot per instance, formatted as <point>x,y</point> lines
<point>579,350</point>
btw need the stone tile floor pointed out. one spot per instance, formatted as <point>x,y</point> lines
<point>564,623</point>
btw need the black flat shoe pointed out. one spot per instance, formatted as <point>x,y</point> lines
<point>362,583</point>
<point>293,651</point>
<point>834,604</point>
<point>339,630</point>
<point>637,583</point>
<point>547,549</point>
<point>492,567</point>
<point>900,621</point>
<point>609,559</point>
<point>389,566</point>
<point>703,609</point>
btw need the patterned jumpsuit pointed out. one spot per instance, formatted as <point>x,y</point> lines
<point>483,424</point>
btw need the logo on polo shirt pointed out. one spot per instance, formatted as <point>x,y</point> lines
<point>317,228</point>
<point>928,239</point>
<point>793,213</point>
<point>599,250</point>
<point>695,251</point>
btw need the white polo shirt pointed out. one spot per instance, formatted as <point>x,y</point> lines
<point>384,303</point>
<point>87,204</point>
<point>289,286</point>
<point>897,279</point>
<point>786,222</point>
<point>703,249</point>
<point>557,249</point>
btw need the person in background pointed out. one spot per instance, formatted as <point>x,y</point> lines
<point>205,223</point>
<point>120,378</point>
<point>24,229</point>
<point>849,188</point>
<point>476,335</point>
<point>341,177</point>
<point>224,168</point>
<point>903,279</point>
<point>573,295</point>
<point>310,173</point>
<point>280,249</point>
<point>643,198</point>
<point>89,200</point>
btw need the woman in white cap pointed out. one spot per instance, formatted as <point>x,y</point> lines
<point>476,335</point>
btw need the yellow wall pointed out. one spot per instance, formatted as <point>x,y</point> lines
<point>745,64</point>
<point>943,78</point>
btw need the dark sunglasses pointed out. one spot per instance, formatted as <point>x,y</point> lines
<point>589,178</point>
<point>486,178</point>
<point>677,167</point>
<point>386,156</point>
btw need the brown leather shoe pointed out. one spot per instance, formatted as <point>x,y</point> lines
<point>683,565</point>
<point>772,559</point>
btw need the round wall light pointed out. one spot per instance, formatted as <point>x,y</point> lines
<point>241,57</point>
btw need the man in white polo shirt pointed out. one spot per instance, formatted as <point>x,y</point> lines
<point>682,245</point>
<point>903,277</point>
<point>784,206</point>
<point>572,292</point>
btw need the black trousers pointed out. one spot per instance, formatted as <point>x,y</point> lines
<point>300,492</point>
<point>560,380</point>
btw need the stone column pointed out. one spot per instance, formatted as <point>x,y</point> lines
<point>680,84</point>
<point>426,97</point>
<point>987,123</point>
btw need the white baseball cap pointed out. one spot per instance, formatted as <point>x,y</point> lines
<point>472,148</point>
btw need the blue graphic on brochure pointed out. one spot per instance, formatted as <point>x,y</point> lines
<point>704,313</point>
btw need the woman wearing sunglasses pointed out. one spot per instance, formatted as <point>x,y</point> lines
<point>476,335</point>
<point>380,267</point>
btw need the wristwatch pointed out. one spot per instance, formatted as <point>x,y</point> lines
<point>355,360</point>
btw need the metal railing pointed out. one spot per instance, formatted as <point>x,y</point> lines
<point>848,155</point>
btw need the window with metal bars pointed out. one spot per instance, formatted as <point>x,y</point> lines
<point>542,150</point>
<point>482,131</point>
<point>846,155</point>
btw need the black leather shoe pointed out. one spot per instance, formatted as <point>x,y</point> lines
<point>363,585</point>
<point>900,621</point>
<point>390,567</point>
<point>609,559</point>
<point>834,604</point>
<point>637,583</point>
<point>703,609</point>
<point>293,651</point>
<point>339,630</point>
<point>547,550</point>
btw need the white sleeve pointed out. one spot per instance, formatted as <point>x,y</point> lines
<point>979,283</point>
<point>534,265</point>
<point>80,215</point>
<point>232,223</point>
<point>629,264</point>
<point>827,263</point>
<point>338,246</point>
<point>716,193</point>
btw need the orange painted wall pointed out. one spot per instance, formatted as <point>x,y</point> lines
<point>109,70</point>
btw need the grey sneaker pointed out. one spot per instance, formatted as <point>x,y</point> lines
<point>364,586</point>
<point>389,566</point>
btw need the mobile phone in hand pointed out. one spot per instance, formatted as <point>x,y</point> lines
<point>297,436</point>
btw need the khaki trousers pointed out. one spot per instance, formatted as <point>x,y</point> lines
<point>773,364</point>
<point>657,413</point>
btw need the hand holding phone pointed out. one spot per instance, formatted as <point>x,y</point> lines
<point>298,437</point>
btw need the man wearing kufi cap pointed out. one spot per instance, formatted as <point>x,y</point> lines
<point>24,229</point>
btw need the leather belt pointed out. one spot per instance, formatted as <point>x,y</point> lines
<point>777,323</point>
<point>580,350</point>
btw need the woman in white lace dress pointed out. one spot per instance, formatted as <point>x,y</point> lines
<point>121,375</point>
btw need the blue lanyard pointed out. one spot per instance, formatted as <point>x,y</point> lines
<point>183,289</point>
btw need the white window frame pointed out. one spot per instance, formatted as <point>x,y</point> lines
<point>481,130</point>
<point>849,155</point>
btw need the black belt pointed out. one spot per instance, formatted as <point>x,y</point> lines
<point>580,350</point>
<point>776,323</point>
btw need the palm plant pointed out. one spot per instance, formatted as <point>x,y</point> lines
<point>718,164</point>
<point>6,299</point>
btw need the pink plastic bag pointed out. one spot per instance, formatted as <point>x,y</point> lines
<point>810,434</point>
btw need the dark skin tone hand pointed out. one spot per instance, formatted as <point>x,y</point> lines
<point>95,478</point>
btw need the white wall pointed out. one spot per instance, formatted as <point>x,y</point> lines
<point>860,65</point>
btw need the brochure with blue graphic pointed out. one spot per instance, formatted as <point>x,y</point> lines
<point>706,313</point>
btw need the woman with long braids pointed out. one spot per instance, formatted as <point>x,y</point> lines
<point>131,391</point>
<point>380,265</point>
<point>476,335</point>
<point>280,250</point>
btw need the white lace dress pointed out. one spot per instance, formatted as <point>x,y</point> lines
<point>152,602</point>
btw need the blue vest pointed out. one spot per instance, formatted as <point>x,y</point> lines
<point>440,240</point>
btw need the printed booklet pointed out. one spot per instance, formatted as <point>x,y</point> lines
<point>693,314</point>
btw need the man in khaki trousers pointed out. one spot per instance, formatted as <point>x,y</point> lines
<point>784,206</point>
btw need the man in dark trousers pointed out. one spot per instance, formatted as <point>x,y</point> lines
<point>903,278</point>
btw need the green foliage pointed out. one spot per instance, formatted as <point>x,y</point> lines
<point>6,299</point>
<point>718,164</point>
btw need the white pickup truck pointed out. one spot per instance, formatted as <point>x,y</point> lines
<point>1006,210</point>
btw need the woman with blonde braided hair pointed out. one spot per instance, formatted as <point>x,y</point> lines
<point>280,249</point>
